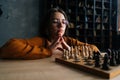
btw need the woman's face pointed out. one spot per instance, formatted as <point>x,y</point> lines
<point>57,24</point>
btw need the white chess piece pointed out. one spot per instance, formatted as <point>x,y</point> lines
<point>86,51</point>
<point>71,55</point>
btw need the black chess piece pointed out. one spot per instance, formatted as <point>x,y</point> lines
<point>109,52</point>
<point>105,64</point>
<point>97,59</point>
<point>116,57</point>
<point>95,54</point>
<point>112,59</point>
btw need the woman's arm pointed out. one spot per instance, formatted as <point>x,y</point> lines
<point>24,49</point>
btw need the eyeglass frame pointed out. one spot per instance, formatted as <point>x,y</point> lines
<point>57,21</point>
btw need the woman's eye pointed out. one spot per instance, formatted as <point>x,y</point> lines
<point>65,22</point>
<point>55,21</point>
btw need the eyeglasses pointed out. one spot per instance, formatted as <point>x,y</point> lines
<point>57,21</point>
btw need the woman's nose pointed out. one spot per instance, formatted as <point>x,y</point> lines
<point>60,24</point>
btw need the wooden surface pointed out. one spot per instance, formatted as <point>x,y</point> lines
<point>42,69</point>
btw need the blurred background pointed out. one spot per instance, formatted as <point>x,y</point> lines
<point>92,21</point>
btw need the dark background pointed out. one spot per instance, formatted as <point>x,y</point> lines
<point>21,19</point>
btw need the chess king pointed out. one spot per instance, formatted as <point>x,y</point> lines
<point>52,41</point>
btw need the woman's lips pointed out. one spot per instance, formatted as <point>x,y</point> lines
<point>60,32</point>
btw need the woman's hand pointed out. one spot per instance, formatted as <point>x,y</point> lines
<point>59,43</point>
<point>64,44</point>
<point>55,44</point>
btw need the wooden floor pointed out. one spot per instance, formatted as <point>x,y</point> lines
<point>41,69</point>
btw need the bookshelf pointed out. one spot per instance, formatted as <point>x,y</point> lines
<point>92,21</point>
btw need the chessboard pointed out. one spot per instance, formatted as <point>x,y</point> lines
<point>100,66</point>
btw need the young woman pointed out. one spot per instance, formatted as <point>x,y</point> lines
<point>52,41</point>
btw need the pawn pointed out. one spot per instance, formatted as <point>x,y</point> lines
<point>117,57</point>
<point>90,52</point>
<point>105,64</point>
<point>109,52</point>
<point>112,59</point>
<point>76,56</point>
<point>65,55</point>
<point>97,59</point>
<point>71,56</point>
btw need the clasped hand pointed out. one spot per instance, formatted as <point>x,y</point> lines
<point>59,43</point>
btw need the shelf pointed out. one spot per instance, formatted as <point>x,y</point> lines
<point>91,21</point>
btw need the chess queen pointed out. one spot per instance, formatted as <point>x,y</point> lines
<point>52,41</point>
